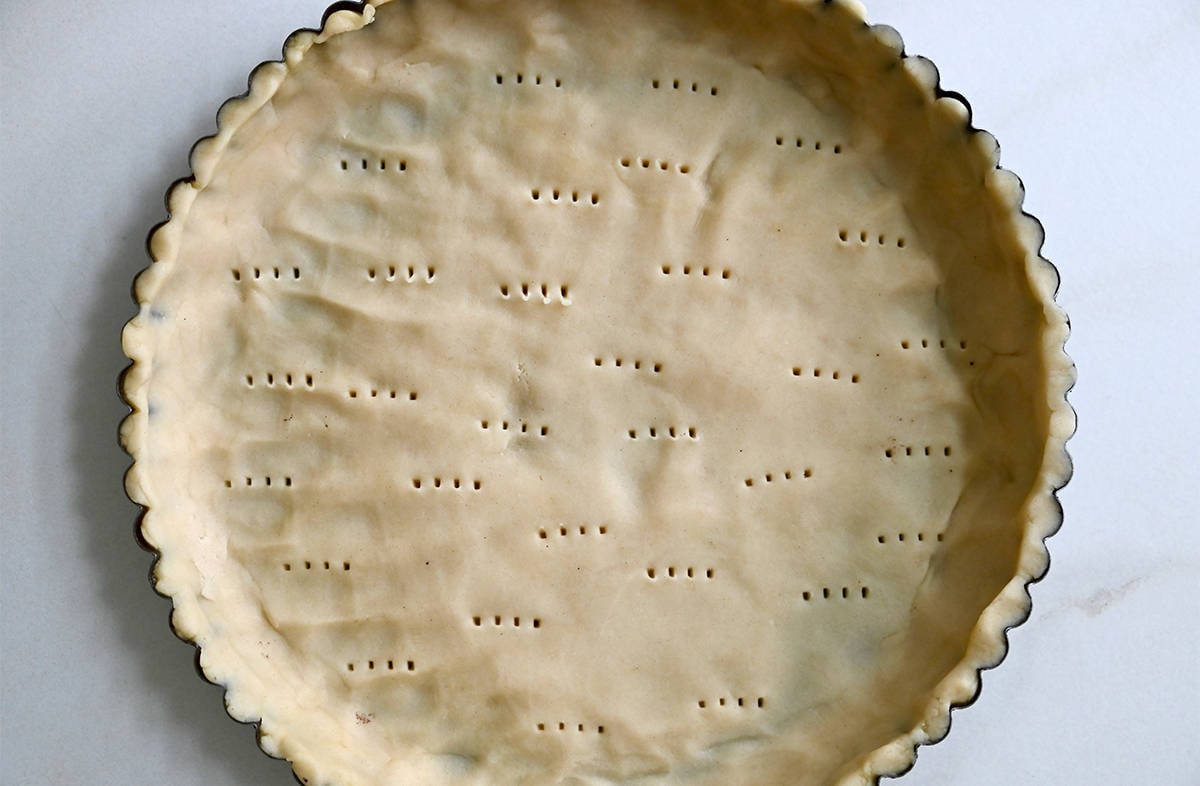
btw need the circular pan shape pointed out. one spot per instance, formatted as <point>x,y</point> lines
<point>597,393</point>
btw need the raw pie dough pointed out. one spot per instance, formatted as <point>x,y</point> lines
<point>584,392</point>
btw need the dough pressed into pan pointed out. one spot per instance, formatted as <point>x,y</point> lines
<point>583,392</point>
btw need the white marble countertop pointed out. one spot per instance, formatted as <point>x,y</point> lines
<point>1098,112</point>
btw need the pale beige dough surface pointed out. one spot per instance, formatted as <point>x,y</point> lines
<point>595,393</point>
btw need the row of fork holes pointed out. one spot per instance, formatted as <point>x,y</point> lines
<point>636,365</point>
<point>739,701</point>
<point>310,565</point>
<point>257,273</point>
<point>389,665</point>
<point>392,273</point>
<point>671,432</point>
<point>287,380</point>
<point>864,237</point>
<point>578,727</point>
<point>909,450</point>
<point>672,573</point>
<point>926,344</point>
<point>522,427</point>
<point>438,483</point>
<point>377,393</point>
<point>266,481</point>
<point>564,531</point>
<point>902,537</point>
<point>836,375</point>
<point>787,475</point>
<point>657,165</point>
<point>500,622</point>
<point>557,195</point>
<point>677,84</point>
<point>846,593</point>
<point>519,78</point>
<point>780,141</point>
<point>383,165</point>
<point>526,288</point>
<point>703,271</point>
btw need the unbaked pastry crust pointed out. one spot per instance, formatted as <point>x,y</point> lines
<point>597,393</point>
